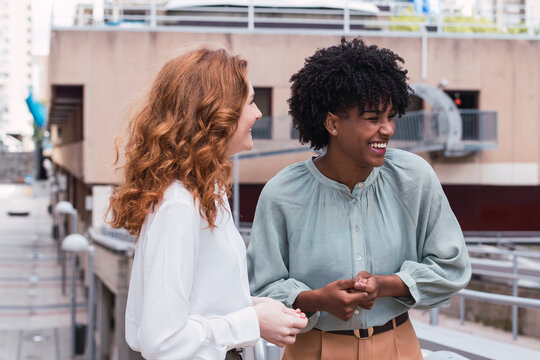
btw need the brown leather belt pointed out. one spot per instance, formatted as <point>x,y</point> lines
<point>374,330</point>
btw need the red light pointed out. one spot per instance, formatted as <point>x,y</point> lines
<point>457,101</point>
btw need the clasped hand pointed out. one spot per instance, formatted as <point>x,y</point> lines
<point>278,324</point>
<point>342,297</point>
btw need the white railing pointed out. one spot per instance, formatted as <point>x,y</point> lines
<point>400,17</point>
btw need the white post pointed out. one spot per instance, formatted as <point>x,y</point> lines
<point>346,18</point>
<point>434,316</point>
<point>462,309</point>
<point>98,12</point>
<point>424,53</point>
<point>153,21</point>
<point>515,293</point>
<point>251,16</point>
<point>91,301</point>
<point>73,300</point>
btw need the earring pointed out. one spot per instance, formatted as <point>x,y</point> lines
<point>334,131</point>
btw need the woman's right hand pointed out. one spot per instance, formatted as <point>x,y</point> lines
<point>279,324</point>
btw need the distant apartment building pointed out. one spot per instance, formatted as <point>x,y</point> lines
<point>15,66</point>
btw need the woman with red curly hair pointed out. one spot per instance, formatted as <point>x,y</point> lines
<point>188,294</point>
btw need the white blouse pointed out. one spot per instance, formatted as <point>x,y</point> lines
<point>189,294</point>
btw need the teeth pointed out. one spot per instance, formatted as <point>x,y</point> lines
<point>378,145</point>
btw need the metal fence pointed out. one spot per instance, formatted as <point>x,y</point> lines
<point>420,129</point>
<point>479,126</point>
<point>500,271</point>
<point>426,130</point>
<point>489,18</point>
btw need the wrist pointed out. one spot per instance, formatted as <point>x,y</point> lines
<point>309,301</point>
<point>391,285</point>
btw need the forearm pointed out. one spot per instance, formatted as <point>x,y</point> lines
<point>391,285</point>
<point>309,301</point>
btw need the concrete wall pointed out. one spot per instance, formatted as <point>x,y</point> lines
<point>115,68</point>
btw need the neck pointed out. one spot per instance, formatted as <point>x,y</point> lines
<point>340,168</point>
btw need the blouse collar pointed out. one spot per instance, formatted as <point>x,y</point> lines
<point>337,185</point>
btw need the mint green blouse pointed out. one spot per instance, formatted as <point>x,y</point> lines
<point>310,230</point>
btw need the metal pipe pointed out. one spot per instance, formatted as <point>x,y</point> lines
<point>236,191</point>
<point>91,301</point>
<point>62,253</point>
<point>462,310</point>
<point>251,17</point>
<point>346,18</point>
<point>74,221</point>
<point>515,293</point>
<point>434,316</point>
<point>73,299</point>
<point>500,299</point>
<point>153,21</point>
<point>424,53</point>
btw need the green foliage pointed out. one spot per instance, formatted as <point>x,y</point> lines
<point>453,24</point>
<point>407,16</point>
<point>406,19</point>
<point>486,26</point>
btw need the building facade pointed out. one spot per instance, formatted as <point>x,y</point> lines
<point>15,66</point>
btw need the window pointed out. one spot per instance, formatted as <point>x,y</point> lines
<point>467,103</point>
<point>263,128</point>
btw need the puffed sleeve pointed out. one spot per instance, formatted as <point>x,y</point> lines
<point>443,265</point>
<point>268,256</point>
<point>167,329</point>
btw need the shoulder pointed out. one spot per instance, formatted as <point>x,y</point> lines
<point>288,181</point>
<point>406,164</point>
<point>177,199</point>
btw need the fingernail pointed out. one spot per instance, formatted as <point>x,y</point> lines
<point>298,310</point>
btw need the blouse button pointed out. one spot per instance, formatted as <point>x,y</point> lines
<point>356,312</point>
<point>356,228</point>
<point>354,201</point>
<point>358,257</point>
<point>361,185</point>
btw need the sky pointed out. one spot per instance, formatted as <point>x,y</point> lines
<point>41,14</point>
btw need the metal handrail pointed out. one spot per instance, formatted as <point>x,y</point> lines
<point>392,16</point>
<point>499,299</point>
<point>497,251</point>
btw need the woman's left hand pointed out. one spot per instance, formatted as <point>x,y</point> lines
<point>367,283</point>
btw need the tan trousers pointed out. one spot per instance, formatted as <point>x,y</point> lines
<point>399,343</point>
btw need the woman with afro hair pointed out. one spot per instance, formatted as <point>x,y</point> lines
<point>360,234</point>
<point>189,293</point>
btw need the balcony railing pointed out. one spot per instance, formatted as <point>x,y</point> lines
<point>427,131</point>
<point>260,16</point>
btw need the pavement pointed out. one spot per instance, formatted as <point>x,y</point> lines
<point>35,316</point>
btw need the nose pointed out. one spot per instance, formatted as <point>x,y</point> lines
<point>388,127</point>
<point>259,113</point>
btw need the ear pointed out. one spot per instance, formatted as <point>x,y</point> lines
<point>330,123</point>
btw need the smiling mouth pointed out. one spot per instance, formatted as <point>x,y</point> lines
<point>378,145</point>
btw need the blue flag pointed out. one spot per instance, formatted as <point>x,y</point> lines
<point>38,110</point>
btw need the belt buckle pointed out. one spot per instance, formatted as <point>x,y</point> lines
<point>359,336</point>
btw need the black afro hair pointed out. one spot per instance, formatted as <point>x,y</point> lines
<point>340,77</point>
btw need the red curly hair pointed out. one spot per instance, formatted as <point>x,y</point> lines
<point>182,132</point>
